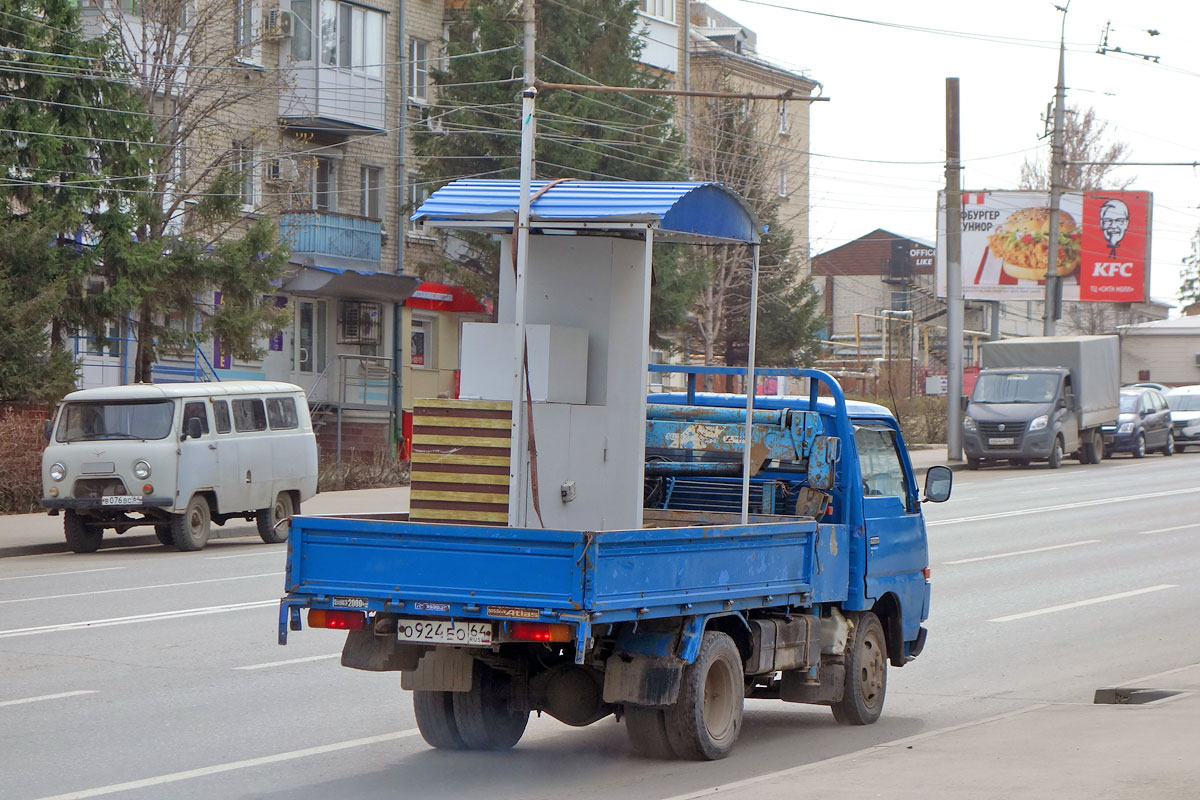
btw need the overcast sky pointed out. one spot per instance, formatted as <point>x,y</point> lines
<point>887,88</point>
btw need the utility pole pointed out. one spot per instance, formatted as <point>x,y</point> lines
<point>1057,157</point>
<point>516,495</point>
<point>954,294</point>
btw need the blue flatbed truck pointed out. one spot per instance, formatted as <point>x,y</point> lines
<point>668,626</point>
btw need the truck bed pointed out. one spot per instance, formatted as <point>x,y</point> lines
<point>383,562</point>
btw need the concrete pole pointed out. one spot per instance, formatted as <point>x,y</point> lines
<point>516,467</point>
<point>954,294</point>
<point>1053,281</point>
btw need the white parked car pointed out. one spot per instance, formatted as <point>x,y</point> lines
<point>1184,402</point>
<point>179,457</point>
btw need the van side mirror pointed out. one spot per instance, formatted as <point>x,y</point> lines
<point>48,429</point>
<point>938,481</point>
<point>193,429</point>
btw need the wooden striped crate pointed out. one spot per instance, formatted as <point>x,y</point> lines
<point>460,460</point>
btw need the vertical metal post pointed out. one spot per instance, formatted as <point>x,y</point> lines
<point>954,294</point>
<point>397,382</point>
<point>1053,281</point>
<point>751,386</point>
<point>516,468</point>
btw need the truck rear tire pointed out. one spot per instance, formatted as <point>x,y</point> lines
<point>489,716</point>
<point>81,537</point>
<point>647,730</point>
<point>866,673</point>
<point>268,518</point>
<point>190,529</point>
<point>435,719</point>
<point>704,723</point>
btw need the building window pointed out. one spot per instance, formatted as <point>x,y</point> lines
<point>785,124</point>
<point>243,165</point>
<point>360,322</point>
<point>418,73</point>
<point>663,9</point>
<point>372,192</point>
<point>783,183</point>
<point>352,38</point>
<point>417,192</point>
<point>246,17</point>
<point>325,185</point>
<point>421,343</point>
<point>302,37</point>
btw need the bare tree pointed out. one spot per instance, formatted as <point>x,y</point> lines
<point>213,101</point>
<point>1084,139</point>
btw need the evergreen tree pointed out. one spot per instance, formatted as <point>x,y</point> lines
<point>584,135</point>
<point>1189,287</point>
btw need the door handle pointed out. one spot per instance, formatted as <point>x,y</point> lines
<point>212,446</point>
<point>874,540</point>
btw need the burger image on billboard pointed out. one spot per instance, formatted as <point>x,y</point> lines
<point>1023,244</point>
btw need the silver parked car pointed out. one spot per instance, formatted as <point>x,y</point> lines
<point>1185,415</point>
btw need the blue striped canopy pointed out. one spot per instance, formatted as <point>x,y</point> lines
<point>689,211</point>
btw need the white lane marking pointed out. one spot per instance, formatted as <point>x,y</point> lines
<point>104,623</point>
<point>139,588</point>
<point>216,769</point>
<point>38,699</point>
<point>790,771</point>
<point>247,555</point>
<point>56,574</point>
<point>1172,528</point>
<point>291,661</point>
<point>1102,501</point>
<point>1022,552</point>
<point>1079,603</point>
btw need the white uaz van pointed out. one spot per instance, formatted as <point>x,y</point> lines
<point>179,456</point>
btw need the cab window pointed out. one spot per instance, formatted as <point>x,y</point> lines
<point>221,416</point>
<point>249,415</point>
<point>195,410</point>
<point>882,471</point>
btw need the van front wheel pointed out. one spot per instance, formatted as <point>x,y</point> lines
<point>81,537</point>
<point>270,527</point>
<point>190,529</point>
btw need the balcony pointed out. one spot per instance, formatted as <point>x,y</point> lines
<point>332,100</point>
<point>332,239</point>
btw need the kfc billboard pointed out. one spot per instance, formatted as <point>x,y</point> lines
<point>1104,245</point>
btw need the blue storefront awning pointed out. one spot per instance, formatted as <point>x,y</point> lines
<point>685,211</point>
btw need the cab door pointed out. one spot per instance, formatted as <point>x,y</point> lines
<point>199,459</point>
<point>896,549</point>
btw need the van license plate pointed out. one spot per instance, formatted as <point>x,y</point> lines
<point>440,631</point>
<point>121,500</point>
<point>1002,440</point>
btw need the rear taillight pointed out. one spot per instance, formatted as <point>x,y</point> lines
<point>540,632</point>
<point>339,620</point>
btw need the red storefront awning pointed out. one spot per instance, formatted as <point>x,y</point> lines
<point>440,297</point>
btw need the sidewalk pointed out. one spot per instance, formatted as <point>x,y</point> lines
<point>924,456</point>
<point>1063,751</point>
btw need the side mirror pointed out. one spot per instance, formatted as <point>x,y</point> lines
<point>938,481</point>
<point>48,429</point>
<point>193,429</point>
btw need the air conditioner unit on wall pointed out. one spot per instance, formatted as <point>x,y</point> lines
<point>281,24</point>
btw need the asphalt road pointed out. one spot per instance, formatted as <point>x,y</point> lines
<point>142,672</point>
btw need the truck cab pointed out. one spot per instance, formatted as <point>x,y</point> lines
<point>1021,415</point>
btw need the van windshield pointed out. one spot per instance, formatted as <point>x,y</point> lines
<point>1015,387</point>
<point>1184,402</point>
<point>135,419</point>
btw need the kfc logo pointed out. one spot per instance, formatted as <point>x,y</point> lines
<point>1114,221</point>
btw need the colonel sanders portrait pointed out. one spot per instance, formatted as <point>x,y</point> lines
<point>1114,221</point>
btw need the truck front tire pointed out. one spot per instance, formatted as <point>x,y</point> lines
<point>1056,453</point>
<point>81,537</point>
<point>704,723</point>
<point>866,673</point>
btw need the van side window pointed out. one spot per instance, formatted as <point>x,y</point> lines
<point>197,411</point>
<point>249,415</point>
<point>281,413</point>
<point>221,416</point>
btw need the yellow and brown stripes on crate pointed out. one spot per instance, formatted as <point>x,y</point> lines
<point>460,459</point>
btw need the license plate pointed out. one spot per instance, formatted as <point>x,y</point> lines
<point>440,631</point>
<point>121,500</point>
<point>1002,440</point>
